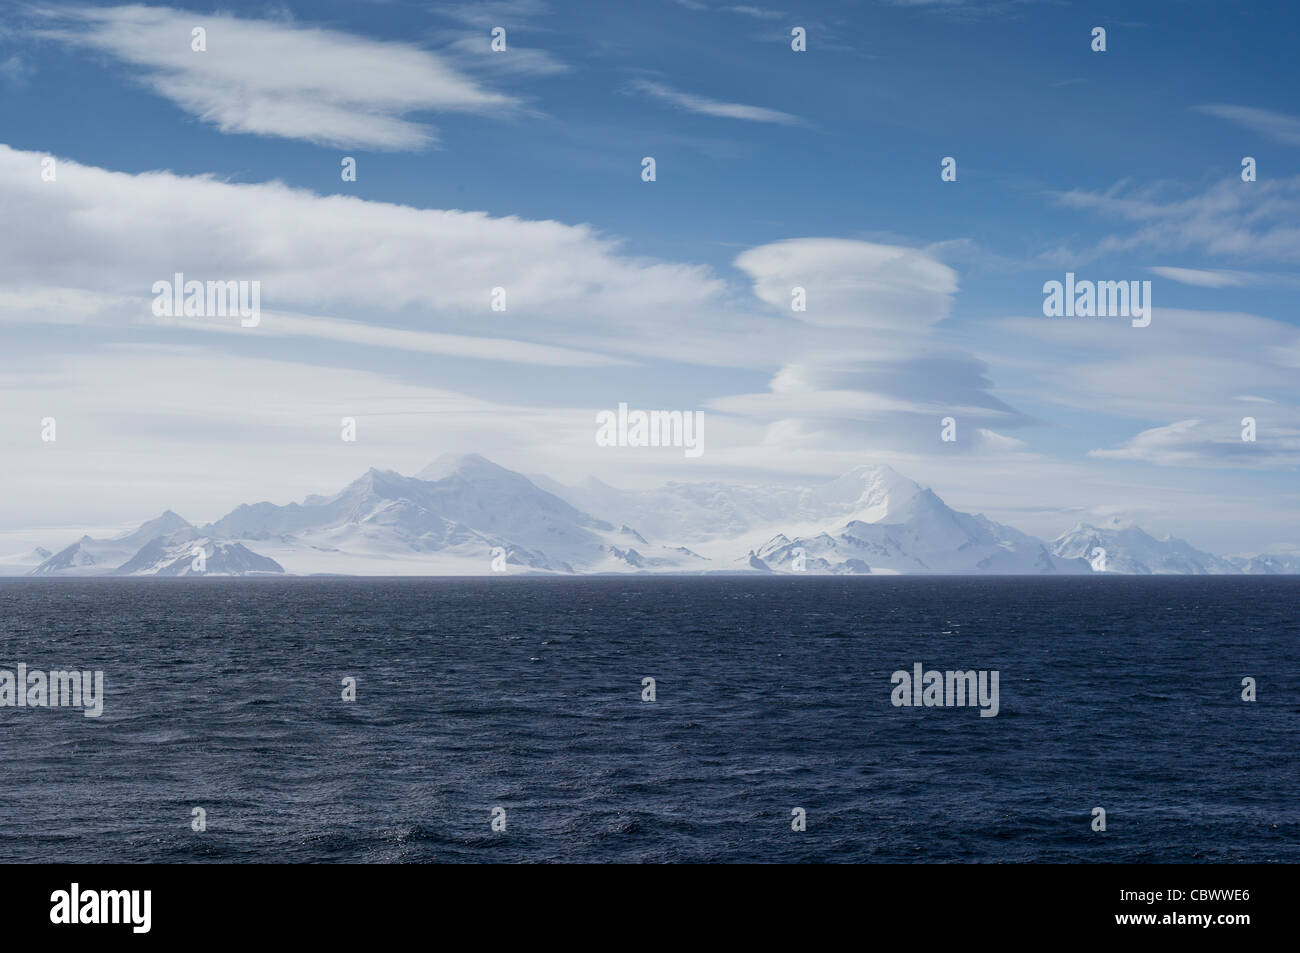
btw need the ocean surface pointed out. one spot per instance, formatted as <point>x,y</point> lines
<point>770,694</point>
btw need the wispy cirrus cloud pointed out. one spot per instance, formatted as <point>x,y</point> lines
<point>491,13</point>
<point>758,13</point>
<point>964,9</point>
<point>476,51</point>
<point>1273,125</point>
<point>1202,278</point>
<point>713,107</point>
<point>15,70</point>
<point>1255,221</point>
<point>277,78</point>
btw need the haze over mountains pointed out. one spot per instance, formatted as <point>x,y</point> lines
<point>464,515</point>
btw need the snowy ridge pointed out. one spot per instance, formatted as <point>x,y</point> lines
<point>1129,549</point>
<point>465,515</point>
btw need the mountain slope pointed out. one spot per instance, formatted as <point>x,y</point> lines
<point>918,533</point>
<point>1271,565</point>
<point>175,556</point>
<point>162,546</point>
<point>1129,549</point>
<point>871,519</point>
<point>459,515</point>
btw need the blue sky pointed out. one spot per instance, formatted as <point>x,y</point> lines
<point>774,168</point>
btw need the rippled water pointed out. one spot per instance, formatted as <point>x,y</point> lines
<point>772,694</point>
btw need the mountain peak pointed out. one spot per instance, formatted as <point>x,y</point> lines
<point>451,463</point>
<point>876,492</point>
<point>374,483</point>
<point>874,471</point>
<point>165,524</point>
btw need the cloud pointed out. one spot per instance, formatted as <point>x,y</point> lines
<point>26,303</point>
<point>342,269</point>
<point>282,324</point>
<point>1192,375</point>
<point>489,13</point>
<point>1107,366</point>
<point>1201,278</point>
<point>1256,220</point>
<point>887,383</point>
<point>879,404</point>
<point>117,233</point>
<point>1272,125</point>
<point>965,9</point>
<point>1213,443</point>
<point>273,78</point>
<point>852,283</point>
<point>15,70</point>
<point>994,442</point>
<point>476,50</point>
<point>713,107</point>
<point>341,277</point>
<point>758,13</point>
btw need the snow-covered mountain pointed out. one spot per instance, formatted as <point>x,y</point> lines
<point>20,563</point>
<point>168,524</point>
<point>1124,548</point>
<point>459,515</point>
<point>871,519</point>
<point>178,556</point>
<point>164,546</point>
<point>1268,565</point>
<point>464,515</point>
<point>85,557</point>
<point>924,536</point>
<point>722,511</point>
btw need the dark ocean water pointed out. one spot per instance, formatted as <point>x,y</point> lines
<point>772,694</point>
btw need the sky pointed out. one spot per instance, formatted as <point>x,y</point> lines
<point>775,168</point>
